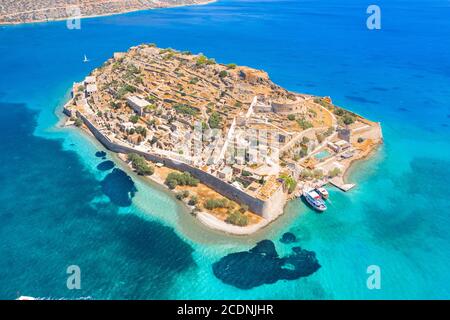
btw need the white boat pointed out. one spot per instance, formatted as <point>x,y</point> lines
<point>323,193</point>
<point>314,199</point>
<point>85,59</point>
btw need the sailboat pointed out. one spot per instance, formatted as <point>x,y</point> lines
<point>85,59</point>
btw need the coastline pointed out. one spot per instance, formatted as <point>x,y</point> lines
<point>207,220</point>
<point>18,23</point>
<point>263,205</point>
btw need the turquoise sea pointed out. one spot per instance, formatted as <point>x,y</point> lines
<point>132,240</point>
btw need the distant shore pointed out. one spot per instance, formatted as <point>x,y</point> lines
<point>162,6</point>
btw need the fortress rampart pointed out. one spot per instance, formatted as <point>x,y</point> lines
<point>268,209</point>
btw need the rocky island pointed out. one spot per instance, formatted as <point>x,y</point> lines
<point>26,11</point>
<point>231,144</point>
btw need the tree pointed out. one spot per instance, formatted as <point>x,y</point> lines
<point>334,172</point>
<point>306,174</point>
<point>186,109</point>
<point>182,195</point>
<point>243,208</point>
<point>141,130</point>
<point>193,201</point>
<point>318,174</point>
<point>304,124</point>
<point>183,179</point>
<point>211,204</point>
<point>203,60</point>
<point>134,118</point>
<point>114,105</point>
<point>140,164</point>
<point>348,119</point>
<point>237,218</point>
<point>231,65</point>
<point>223,74</point>
<point>290,182</point>
<point>319,137</point>
<point>78,122</point>
<point>246,173</point>
<point>214,120</point>
<point>291,117</point>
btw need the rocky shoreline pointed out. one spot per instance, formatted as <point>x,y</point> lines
<point>28,11</point>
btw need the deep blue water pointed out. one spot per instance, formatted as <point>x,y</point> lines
<point>132,241</point>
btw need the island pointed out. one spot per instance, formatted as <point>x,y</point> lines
<point>27,11</point>
<point>231,145</point>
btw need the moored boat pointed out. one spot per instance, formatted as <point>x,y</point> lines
<point>314,199</point>
<point>322,192</point>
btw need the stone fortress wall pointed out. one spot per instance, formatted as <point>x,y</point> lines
<point>268,209</point>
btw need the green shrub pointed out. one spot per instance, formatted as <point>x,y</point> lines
<point>348,119</point>
<point>243,208</point>
<point>78,122</point>
<point>183,179</point>
<point>304,124</point>
<point>290,182</point>
<point>134,118</point>
<point>211,204</point>
<point>203,60</point>
<point>215,120</point>
<point>193,201</point>
<point>246,173</point>
<point>182,195</point>
<point>237,218</point>
<point>140,164</point>
<point>186,109</point>
<point>334,172</point>
<point>318,174</point>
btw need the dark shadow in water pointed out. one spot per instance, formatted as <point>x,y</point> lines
<point>100,154</point>
<point>119,188</point>
<point>48,222</point>
<point>261,265</point>
<point>105,165</point>
<point>288,237</point>
<point>362,100</point>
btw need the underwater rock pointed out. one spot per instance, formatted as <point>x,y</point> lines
<point>105,165</point>
<point>119,188</point>
<point>288,237</point>
<point>100,154</point>
<point>261,265</point>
